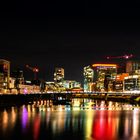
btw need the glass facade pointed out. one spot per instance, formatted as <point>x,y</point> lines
<point>105,75</point>
<point>88,78</point>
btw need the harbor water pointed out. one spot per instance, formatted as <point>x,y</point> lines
<point>82,119</point>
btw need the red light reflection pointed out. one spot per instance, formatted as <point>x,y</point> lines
<point>36,128</point>
<point>103,127</point>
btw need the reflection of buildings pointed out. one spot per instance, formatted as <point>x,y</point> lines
<point>4,73</point>
<point>36,128</point>
<point>8,118</point>
<point>128,125</point>
<point>104,76</point>
<point>104,126</point>
<point>59,75</point>
<point>58,121</point>
<point>88,78</point>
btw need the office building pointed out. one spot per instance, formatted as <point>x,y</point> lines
<point>59,75</point>
<point>132,83</point>
<point>88,78</point>
<point>104,76</point>
<point>119,82</point>
<point>4,74</point>
<point>70,84</point>
<point>133,67</point>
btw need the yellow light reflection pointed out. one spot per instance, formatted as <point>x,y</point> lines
<point>89,123</point>
<point>135,125</point>
<point>5,120</point>
<point>58,123</point>
<point>13,117</point>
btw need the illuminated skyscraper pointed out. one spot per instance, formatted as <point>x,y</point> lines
<point>104,76</point>
<point>59,75</point>
<point>88,78</point>
<point>4,73</point>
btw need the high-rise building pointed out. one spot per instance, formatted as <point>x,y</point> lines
<point>104,76</point>
<point>59,75</point>
<point>132,83</point>
<point>18,75</point>
<point>119,82</point>
<point>4,74</point>
<point>88,78</point>
<point>132,67</point>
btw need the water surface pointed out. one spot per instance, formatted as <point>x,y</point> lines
<point>84,119</point>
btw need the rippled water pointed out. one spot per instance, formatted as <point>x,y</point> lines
<point>84,119</point>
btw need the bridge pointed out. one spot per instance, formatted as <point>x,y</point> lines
<point>130,93</point>
<point>18,99</point>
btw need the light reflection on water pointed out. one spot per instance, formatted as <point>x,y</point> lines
<point>84,119</point>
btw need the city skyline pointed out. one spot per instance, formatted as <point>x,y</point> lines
<point>97,77</point>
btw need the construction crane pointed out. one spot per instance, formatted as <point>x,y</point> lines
<point>126,56</point>
<point>34,70</point>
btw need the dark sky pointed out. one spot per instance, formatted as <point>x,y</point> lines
<point>69,34</point>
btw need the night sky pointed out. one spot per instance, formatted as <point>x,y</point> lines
<point>69,34</point>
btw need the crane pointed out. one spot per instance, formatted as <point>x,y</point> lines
<point>34,70</point>
<point>126,56</point>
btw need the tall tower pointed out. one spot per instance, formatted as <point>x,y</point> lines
<point>88,78</point>
<point>4,73</point>
<point>59,75</point>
